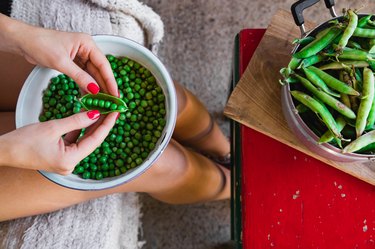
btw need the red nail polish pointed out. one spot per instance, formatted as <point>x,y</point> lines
<point>93,88</point>
<point>94,114</point>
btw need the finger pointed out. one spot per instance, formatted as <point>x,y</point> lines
<point>89,130</point>
<point>89,143</point>
<point>76,121</point>
<point>94,72</point>
<point>101,63</point>
<point>81,77</point>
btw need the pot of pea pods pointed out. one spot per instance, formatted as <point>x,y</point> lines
<point>328,86</point>
<point>147,107</point>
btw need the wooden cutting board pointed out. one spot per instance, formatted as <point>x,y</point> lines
<point>256,102</point>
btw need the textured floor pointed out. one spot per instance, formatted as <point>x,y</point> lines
<point>197,50</point>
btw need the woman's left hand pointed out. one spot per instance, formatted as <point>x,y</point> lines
<point>74,54</point>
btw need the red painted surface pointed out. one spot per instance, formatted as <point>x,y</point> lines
<point>290,200</point>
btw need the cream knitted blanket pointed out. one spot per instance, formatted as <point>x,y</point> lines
<point>113,221</point>
<point>127,18</point>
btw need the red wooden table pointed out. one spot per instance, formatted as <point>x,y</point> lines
<point>283,198</point>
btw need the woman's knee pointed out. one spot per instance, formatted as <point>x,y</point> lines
<point>173,162</point>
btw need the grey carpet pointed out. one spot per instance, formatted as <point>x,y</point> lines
<point>197,50</point>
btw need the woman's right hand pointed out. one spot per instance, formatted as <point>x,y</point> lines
<point>41,146</point>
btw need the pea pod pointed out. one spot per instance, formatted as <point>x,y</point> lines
<point>333,82</point>
<point>365,33</point>
<point>349,30</point>
<point>312,60</point>
<point>327,99</point>
<point>352,54</point>
<point>104,103</point>
<point>368,148</point>
<point>366,101</point>
<point>319,109</point>
<point>354,45</point>
<point>363,21</point>
<point>328,136</point>
<point>303,41</point>
<point>343,64</point>
<point>360,142</point>
<point>301,108</point>
<point>318,44</point>
<point>318,82</point>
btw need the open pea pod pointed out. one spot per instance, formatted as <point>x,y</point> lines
<point>104,103</point>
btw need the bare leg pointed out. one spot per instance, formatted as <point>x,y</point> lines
<point>196,128</point>
<point>14,70</point>
<point>179,176</point>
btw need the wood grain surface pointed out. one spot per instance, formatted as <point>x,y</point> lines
<point>256,103</point>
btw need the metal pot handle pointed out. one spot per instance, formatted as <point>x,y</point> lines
<point>299,6</point>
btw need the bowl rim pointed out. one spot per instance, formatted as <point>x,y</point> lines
<point>310,138</point>
<point>171,113</point>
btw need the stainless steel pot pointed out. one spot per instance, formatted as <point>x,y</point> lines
<point>294,120</point>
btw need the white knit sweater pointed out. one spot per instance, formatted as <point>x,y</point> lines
<point>113,221</point>
<point>127,18</point>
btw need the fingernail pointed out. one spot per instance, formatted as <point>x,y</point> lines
<point>118,115</point>
<point>118,94</point>
<point>93,88</point>
<point>94,114</point>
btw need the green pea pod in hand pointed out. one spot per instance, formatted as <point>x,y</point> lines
<point>319,109</point>
<point>104,103</point>
<point>327,99</point>
<point>333,82</point>
<point>366,101</point>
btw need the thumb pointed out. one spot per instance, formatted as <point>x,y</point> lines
<point>81,77</point>
<point>77,121</point>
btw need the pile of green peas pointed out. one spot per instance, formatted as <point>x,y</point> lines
<point>136,131</point>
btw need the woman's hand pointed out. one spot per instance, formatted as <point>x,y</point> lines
<point>41,146</point>
<point>68,52</point>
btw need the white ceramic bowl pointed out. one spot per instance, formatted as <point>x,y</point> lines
<point>29,107</point>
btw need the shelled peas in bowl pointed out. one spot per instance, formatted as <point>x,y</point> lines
<point>140,124</point>
<point>331,80</point>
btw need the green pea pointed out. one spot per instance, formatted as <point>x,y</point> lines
<point>42,118</point>
<point>101,103</point>
<point>113,106</point>
<point>52,102</point>
<point>99,175</point>
<point>86,175</point>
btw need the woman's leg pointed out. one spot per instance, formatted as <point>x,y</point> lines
<point>196,128</point>
<point>14,70</point>
<point>179,176</point>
